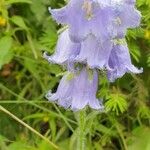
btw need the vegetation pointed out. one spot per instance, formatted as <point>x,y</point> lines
<point>29,122</point>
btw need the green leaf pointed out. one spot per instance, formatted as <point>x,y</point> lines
<point>148,60</point>
<point>5,53</point>
<point>19,145</point>
<point>38,5</point>
<point>44,146</point>
<point>31,66</point>
<point>17,1</point>
<point>116,103</point>
<point>3,141</point>
<point>135,51</point>
<point>17,20</point>
<point>141,139</point>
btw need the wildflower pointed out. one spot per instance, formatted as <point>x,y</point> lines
<point>66,50</point>
<point>90,51</point>
<point>2,21</point>
<point>77,92</point>
<point>102,19</point>
<point>147,34</point>
<point>95,40</point>
<point>125,16</point>
<point>120,62</point>
<point>84,17</point>
<point>95,53</point>
<point>112,55</point>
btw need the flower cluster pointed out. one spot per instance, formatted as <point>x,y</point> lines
<point>94,40</point>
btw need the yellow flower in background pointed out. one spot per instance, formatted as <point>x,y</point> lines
<point>2,21</point>
<point>147,34</point>
<point>46,119</point>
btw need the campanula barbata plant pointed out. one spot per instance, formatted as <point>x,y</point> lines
<point>94,40</point>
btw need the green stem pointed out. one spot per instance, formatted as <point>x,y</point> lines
<point>116,124</point>
<point>122,137</point>
<point>81,138</point>
<point>27,126</point>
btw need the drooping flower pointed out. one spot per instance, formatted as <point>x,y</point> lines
<point>120,62</point>
<point>65,51</point>
<point>91,51</point>
<point>125,16</point>
<point>95,53</point>
<point>103,19</point>
<point>85,17</point>
<point>77,92</point>
<point>94,28</point>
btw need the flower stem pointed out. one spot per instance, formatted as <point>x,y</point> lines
<point>81,138</point>
<point>27,126</point>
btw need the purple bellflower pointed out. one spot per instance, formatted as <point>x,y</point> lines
<point>120,62</point>
<point>96,29</point>
<point>90,51</point>
<point>65,51</point>
<point>77,92</point>
<point>125,16</point>
<point>110,55</point>
<point>95,53</point>
<point>102,19</point>
<point>85,17</point>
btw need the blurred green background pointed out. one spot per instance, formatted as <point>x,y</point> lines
<point>26,29</point>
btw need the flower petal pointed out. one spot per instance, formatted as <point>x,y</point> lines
<point>66,50</point>
<point>78,92</point>
<point>94,52</point>
<point>120,62</point>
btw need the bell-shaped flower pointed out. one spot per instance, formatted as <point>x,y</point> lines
<point>77,90</point>
<point>65,51</point>
<point>120,62</point>
<point>85,17</point>
<point>125,16</point>
<point>91,51</point>
<point>94,52</point>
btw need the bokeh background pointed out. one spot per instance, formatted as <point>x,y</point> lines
<point>26,30</point>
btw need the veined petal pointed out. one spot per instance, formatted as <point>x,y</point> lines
<point>85,17</point>
<point>66,50</point>
<point>78,92</point>
<point>120,62</point>
<point>130,21</point>
<point>85,91</point>
<point>130,2</point>
<point>60,15</point>
<point>95,53</point>
<point>122,20</point>
<point>63,93</point>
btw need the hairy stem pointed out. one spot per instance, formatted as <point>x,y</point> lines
<point>81,137</point>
